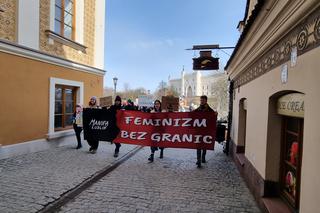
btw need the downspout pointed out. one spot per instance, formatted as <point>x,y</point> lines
<point>226,150</point>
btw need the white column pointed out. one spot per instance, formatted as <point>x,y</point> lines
<point>99,34</point>
<point>28,23</point>
<point>183,92</point>
<point>80,21</point>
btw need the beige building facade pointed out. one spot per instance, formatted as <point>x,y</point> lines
<point>51,58</point>
<point>274,71</point>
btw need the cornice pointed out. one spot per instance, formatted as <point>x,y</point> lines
<point>305,36</point>
<point>19,50</point>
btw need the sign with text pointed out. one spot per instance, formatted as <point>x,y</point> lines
<point>106,101</point>
<point>99,124</point>
<point>193,130</point>
<point>145,101</point>
<point>170,103</point>
<point>291,105</point>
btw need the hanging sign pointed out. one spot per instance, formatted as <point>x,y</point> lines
<point>291,105</point>
<point>205,62</point>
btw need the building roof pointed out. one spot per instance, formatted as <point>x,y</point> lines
<point>247,27</point>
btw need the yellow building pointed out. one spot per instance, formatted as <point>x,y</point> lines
<point>51,57</point>
<point>274,71</point>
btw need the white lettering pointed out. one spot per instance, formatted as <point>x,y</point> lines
<point>176,138</point>
<point>197,123</point>
<point>128,119</point>
<point>186,121</point>
<point>147,122</point>
<point>137,121</point>
<point>167,122</point>
<point>186,138</point>
<point>142,135</point>
<point>156,137</point>
<point>197,138</point>
<point>209,139</point>
<point>176,121</point>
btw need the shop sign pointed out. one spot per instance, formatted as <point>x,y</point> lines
<point>205,62</point>
<point>291,105</point>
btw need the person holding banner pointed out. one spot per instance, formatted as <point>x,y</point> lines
<point>116,106</point>
<point>156,108</point>
<point>93,143</point>
<point>77,124</point>
<point>204,107</point>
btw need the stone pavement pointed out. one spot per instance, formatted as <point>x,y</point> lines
<point>30,182</point>
<point>172,184</point>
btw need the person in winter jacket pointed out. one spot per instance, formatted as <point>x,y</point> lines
<point>116,106</point>
<point>204,107</point>
<point>77,124</point>
<point>156,108</point>
<point>93,143</point>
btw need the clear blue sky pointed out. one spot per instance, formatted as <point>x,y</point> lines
<point>145,40</point>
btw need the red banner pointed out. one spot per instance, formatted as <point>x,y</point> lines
<point>193,130</point>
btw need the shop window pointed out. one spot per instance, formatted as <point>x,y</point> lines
<point>64,20</point>
<point>291,160</point>
<point>65,101</point>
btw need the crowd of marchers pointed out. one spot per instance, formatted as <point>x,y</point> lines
<point>157,108</point>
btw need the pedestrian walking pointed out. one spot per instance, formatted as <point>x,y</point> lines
<point>94,144</point>
<point>116,106</point>
<point>77,124</point>
<point>204,107</point>
<point>156,108</point>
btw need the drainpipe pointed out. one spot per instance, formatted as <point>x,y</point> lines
<point>226,150</point>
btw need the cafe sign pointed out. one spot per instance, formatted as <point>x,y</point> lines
<point>291,105</point>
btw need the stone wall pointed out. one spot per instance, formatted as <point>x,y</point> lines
<point>8,19</point>
<point>64,51</point>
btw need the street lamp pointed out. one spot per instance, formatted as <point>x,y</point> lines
<point>115,80</point>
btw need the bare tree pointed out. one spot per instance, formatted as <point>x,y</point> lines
<point>107,91</point>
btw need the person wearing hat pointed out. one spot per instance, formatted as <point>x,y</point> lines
<point>130,105</point>
<point>77,124</point>
<point>116,106</point>
<point>93,143</point>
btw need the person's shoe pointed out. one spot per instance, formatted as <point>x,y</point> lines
<point>116,154</point>
<point>93,151</point>
<point>78,147</point>
<point>161,153</point>
<point>150,158</point>
<point>198,164</point>
<point>203,160</point>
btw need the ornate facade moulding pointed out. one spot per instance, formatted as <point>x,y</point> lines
<point>305,36</point>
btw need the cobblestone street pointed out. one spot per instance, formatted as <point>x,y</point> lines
<point>30,182</point>
<point>172,184</point>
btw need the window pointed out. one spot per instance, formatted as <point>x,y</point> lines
<point>291,160</point>
<point>64,21</point>
<point>65,98</point>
